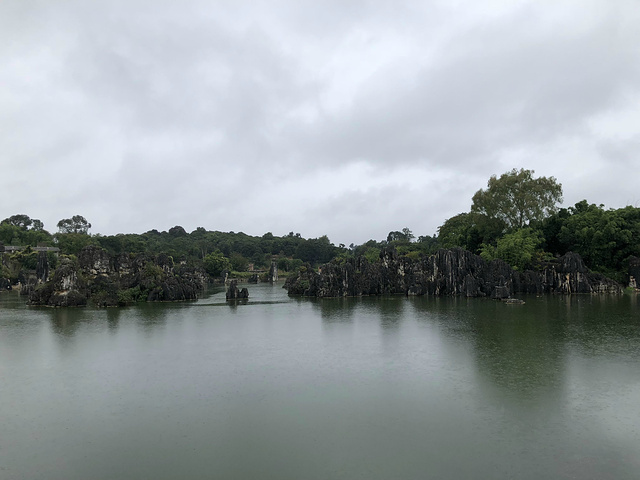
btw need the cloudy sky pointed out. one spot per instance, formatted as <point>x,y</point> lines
<point>349,118</point>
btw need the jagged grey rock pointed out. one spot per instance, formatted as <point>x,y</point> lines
<point>447,272</point>
<point>103,278</point>
<point>235,293</point>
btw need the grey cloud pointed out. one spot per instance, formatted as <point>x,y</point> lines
<point>494,88</point>
<point>142,115</point>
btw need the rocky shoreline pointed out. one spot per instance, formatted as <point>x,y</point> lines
<point>114,280</point>
<point>447,272</point>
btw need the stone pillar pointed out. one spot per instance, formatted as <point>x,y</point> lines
<point>634,271</point>
<point>273,272</point>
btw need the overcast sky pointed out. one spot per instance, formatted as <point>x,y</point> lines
<point>348,118</point>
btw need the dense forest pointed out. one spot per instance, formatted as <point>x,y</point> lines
<point>516,218</point>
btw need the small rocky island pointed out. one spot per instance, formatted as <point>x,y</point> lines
<point>112,280</point>
<point>447,272</point>
<point>235,293</point>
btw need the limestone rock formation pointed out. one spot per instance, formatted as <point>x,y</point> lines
<point>42,269</point>
<point>234,293</point>
<point>110,280</point>
<point>65,289</point>
<point>634,272</point>
<point>273,272</point>
<point>447,272</point>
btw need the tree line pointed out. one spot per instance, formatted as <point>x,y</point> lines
<point>214,251</point>
<point>516,218</point>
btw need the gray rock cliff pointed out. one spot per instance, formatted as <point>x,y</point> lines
<point>447,272</point>
<point>110,280</point>
<point>235,293</point>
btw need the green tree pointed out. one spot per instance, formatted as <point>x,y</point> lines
<point>517,198</point>
<point>372,254</point>
<point>73,243</point>
<point>215,263</point>
<point>604,238</point>
<point>518,249</point>
<point>22,230</point>
<point>75,224</point>
<point>405,236</point>
<point>427,244</point>
<point>21,221</point>
<point>37,225</point>
<point>470,231</point>
<point>316,250</point>
<point>238,262</point>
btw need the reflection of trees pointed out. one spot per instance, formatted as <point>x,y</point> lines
<point>335,309</point>
<point>387,308</point>
<point>113,318</point>
<point>602,324</point>
<point>521,347</point>
<point>152,315</point>
<point>65,321</point>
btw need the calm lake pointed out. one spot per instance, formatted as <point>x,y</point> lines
<point>278,388</point>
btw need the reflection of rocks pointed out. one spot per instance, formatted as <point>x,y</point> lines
<point>234,293</point>
<point>110,280</point>
<point>448,272</point>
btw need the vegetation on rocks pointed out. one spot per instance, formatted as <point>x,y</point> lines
<point>516,219</point>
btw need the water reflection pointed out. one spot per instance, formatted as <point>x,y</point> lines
<point>603,325</point>
<point>152,316</point>
<point>377,387</point>
<point>521,350</point>
<point>336,310</point>
<point>233,304</point>
<point>517,348</point>
<point>389,309</point>
<point>66,321</point>
<point>113,318</point>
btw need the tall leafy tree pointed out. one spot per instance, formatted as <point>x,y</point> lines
<point>604,238</point>
<point>75,224</point>
<point>405,236</point>
<point>20,221</point>
<point>215,263</point>
<point>518,249</point>
<point>470,231</point>
<point>517,198</point>
<point>22,230</point>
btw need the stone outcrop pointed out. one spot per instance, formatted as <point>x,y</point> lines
<point>634,272</point>
<point>448,272</point>
<point>235,293</point>
<point>66,289</point>
<point>272,276</point>
<point>253,278</point>
<point>110,280</point>
<point>42,269</point>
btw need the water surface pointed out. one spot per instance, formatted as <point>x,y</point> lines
<point>279,388</point>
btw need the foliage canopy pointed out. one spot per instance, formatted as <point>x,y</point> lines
<point>518,199</point>
<point>75,224</point>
